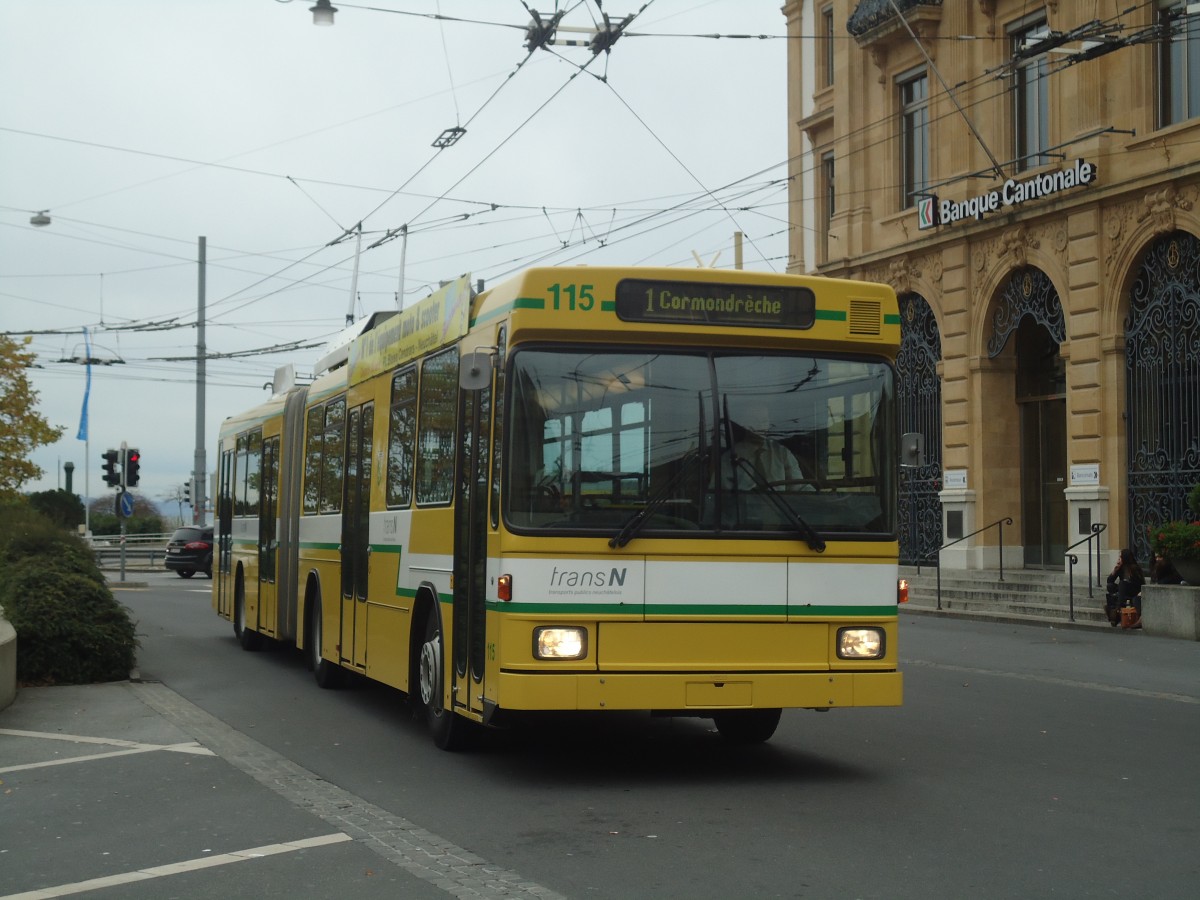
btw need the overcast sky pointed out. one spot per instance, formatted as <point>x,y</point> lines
<point>140,125</point>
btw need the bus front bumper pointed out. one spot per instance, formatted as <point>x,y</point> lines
<point>682,691</point>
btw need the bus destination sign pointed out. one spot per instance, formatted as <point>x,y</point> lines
<point>698,303</point>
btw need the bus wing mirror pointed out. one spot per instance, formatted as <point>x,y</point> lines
<point>475,371</point>
<point>912,449</point>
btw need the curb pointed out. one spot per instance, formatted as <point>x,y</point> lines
<point>1006,618</point>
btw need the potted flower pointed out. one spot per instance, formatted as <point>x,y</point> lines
<point>1179,541</point>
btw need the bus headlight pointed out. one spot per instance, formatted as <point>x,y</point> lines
<point>559,642</point>
<point>860,643</point>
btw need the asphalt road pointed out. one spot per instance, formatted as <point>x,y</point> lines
<point>1026,762</point>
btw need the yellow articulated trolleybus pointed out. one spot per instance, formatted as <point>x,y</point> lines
<point>584,489</point>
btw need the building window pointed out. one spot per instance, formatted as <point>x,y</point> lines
<point>1178,64</point>
<point>828,204</point>
<point>1031,98</point>
<point>827,46</point>
<point>914,138</point>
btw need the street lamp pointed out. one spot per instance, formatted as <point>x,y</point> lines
<point>323,13</point>
<point>40,219</point>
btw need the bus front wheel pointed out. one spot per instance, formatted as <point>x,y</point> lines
<point>747,726</point>
<point>447,729</point>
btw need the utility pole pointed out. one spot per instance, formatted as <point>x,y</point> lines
<point>200,464</point>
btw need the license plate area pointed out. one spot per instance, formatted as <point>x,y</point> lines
<point>708,694</point>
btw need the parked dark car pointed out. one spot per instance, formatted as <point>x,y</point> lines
<point>190,550</point>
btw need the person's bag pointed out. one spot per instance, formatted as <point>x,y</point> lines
<point>1130,617</point>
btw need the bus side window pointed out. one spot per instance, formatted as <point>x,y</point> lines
<point>332,470</point>
<point>402,434</point>
<point>436,428</point>
<point>313,445</point>
<point>253,474</point>
<point>239,485</point>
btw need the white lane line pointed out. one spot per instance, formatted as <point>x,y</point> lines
<point>73,738</point>
<point>190,865</point>
<point>130,747</point>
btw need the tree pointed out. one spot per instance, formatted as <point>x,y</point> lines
<point>61,508</point>
<point>146,518</point>
<point>22,428</point>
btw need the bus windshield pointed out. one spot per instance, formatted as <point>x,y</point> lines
<point>700,443</point>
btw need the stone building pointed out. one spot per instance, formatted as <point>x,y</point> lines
<point>1027,177</point>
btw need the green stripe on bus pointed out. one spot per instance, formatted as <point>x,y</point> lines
<point>822,612</point>
<point>831,315</point>
<point>682,609</point>
<point>318,545</point>
<point>608,306</point>
<point>519,303</point>
<point>891,319</point>
<point>387,548</point>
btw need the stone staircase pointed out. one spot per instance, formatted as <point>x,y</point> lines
<point>1025,595</point>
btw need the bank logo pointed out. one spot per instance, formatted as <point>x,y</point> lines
<point>927,212</point>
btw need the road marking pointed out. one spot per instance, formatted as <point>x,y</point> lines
<point>130,747</point>
<point>1061,682</point>
<point>412,848</point>
<point>188,865</point>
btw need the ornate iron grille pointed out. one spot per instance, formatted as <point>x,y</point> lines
<point>920,401</point>
<point>1162,394</point>
<point>1029,292</point>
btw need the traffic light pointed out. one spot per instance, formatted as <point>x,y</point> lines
<point>187,492</point>
<point>133,462</point>
<point>112,475</point>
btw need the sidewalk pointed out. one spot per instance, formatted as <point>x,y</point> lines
<point>128,786</point>
<point>1046,598</point>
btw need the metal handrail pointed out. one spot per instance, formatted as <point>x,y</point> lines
<point>1094,535</point>
<point>999,523</point>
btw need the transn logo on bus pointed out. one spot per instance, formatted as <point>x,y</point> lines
<point>583,578</point>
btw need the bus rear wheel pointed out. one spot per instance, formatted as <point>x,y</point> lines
<point>448,730</point>
<point>747,726</point>
<point>247,637</point>
<point>327,674</point>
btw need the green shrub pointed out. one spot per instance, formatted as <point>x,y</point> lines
<point>69,628</point>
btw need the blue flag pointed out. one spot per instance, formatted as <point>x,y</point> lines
<point>87,390</point>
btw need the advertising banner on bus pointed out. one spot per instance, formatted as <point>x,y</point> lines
<point>438,320</point>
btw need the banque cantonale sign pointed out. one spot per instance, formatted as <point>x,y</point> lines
<point>932,212</point>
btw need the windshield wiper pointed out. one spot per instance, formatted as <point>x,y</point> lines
<point>771,492</point>
<point>635,522</point>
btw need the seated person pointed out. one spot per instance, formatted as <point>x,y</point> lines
<point>774,462</point>
<point>1124,587</point>
<point>1162,572</point>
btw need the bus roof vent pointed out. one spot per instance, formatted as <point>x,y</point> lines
<point>285,379</point>
<point>337,352</point>
<point>865,317</point>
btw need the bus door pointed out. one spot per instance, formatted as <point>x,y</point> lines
<point>470,548</point>
<point>224,534</point>
<point>356,547</point>
<point>268,542</point>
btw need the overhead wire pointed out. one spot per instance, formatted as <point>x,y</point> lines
<point>443,197</point>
